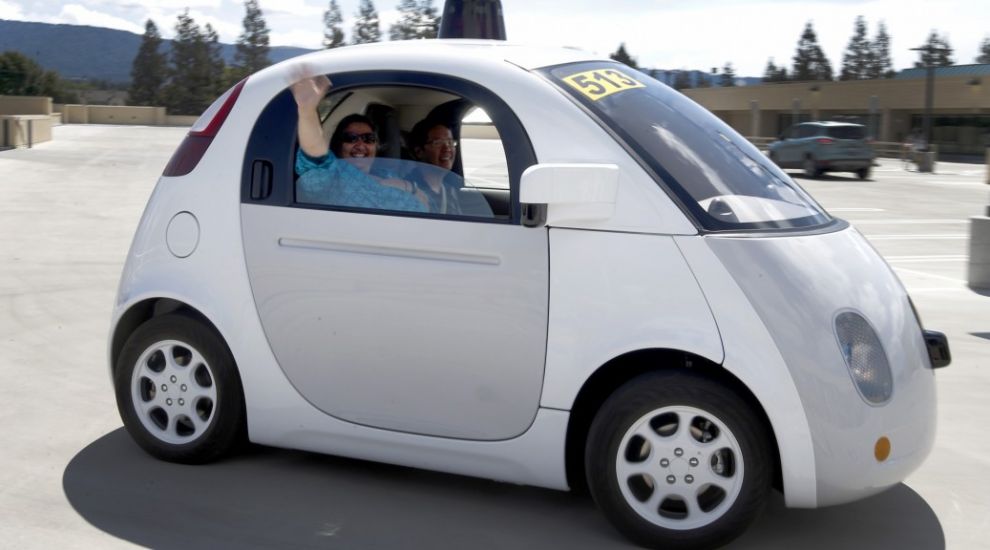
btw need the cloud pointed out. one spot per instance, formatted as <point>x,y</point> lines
<point>178,5</point>
<point>77,14</point>
<point>298,8</point>
<point>9,10</point>
<point>299,38</point>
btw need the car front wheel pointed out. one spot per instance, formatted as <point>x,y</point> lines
<point>178,391</point>
<point>811,168</point>
<point>676,460</point>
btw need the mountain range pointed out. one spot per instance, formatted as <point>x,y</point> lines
<point>83,52</point>
<point>78,52</point>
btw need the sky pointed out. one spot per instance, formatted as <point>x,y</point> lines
<point>661,34</point>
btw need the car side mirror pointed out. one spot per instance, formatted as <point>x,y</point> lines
<point>571,192</point>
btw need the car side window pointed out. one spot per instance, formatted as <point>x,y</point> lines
<point>423,145</point>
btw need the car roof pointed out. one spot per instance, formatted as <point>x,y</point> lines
<point>526,56</point>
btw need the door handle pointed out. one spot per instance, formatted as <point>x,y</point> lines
<point>261,180</point>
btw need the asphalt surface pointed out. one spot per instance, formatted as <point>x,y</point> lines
<point>71,478</point>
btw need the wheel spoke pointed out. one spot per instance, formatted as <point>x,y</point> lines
<point>694,511</point>
<point>198,423</point>
<point>705,476</point>
<point>625,469</point>
<point>683,435</point>
<point>652,504</point>
<point>655,440</point>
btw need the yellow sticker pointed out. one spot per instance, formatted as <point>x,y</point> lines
<point>601,83</point>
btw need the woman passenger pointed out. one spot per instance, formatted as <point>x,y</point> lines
<point>343,172</point>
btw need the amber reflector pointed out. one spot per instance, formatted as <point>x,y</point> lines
<point>882,449</point>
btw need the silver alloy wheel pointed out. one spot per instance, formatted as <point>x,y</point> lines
<point>174,393</point>
<point>680,467</point>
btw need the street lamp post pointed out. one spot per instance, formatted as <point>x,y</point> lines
<point>930,50</point>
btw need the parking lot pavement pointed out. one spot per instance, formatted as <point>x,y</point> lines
<point>920,224</point>
<point>70,477</point>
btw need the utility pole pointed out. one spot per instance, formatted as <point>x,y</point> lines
<point>930,50</point>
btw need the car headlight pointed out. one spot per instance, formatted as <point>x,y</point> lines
<point>860,347</point>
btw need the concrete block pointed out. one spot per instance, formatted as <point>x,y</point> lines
<point>979,252</point>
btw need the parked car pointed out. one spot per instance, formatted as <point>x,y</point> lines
<point>819,147</point>
<point>649,307</point>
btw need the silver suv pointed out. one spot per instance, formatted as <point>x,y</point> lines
<point>819,147</point>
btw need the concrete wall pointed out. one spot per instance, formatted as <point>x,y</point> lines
<point>180,120</point>
<point>108,114</point>
<point>25,105</point>
<point>25,130</point>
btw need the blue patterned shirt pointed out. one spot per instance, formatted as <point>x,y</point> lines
<point>328,180</point>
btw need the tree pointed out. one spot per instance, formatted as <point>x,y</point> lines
<point>218,72</point>
<point>429,20</point>
<point>149,69</point>
<point>857,59</point>
<point>622,56</point>
<point>773,73</point>
<point>405,27</point>
<point>936,52</point>
<point>366,27</point>
<point>682,80</point>
<point>20,75</point>
<point>192,85</point>
<point>728,76</point>
<point>810,62</point>
<point>252,45</point>
<point>333,32</point>
<point>984,56</point>
<point>880,64</point>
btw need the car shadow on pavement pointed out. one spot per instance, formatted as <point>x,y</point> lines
<point>841,177</point>
<point>266,498</point>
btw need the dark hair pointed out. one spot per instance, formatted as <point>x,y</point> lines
<point>417,137</point>
<point>337,141</point>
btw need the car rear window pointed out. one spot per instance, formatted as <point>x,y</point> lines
<point>847,132</point>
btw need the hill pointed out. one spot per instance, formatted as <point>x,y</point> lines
<point>83,52</point>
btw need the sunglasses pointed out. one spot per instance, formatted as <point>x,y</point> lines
<point>369,138</point>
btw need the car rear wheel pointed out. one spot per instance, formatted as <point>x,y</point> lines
<point>178,391</point>
<point>811,168</point>
<point>676,460</point>
<point>863,173</point>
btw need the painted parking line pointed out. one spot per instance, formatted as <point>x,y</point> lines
<point>928,259</point>
<point>908,222</point>
<point>931,275</point>
<point>852,209</point>
<point>938,237</point>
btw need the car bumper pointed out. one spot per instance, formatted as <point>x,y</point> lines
<point>844,165</point>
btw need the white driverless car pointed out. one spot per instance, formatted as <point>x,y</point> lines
<point>632,298</point>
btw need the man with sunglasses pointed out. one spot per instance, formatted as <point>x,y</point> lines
<point>344,172</point>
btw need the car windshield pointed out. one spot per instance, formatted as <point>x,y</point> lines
<point>847,132</point>
<point>719,176</point>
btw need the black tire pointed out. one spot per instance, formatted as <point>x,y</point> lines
<point>810,168</point>
<point>728,478</point>
<point>187,409</point>
<point>863,173</point>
